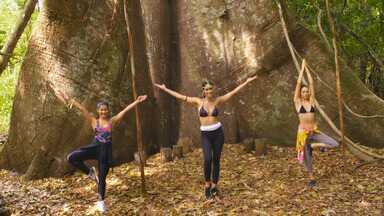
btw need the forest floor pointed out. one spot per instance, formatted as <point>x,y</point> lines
<point>269,185</point>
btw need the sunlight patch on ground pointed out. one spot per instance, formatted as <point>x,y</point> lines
<point>271,185</point>
<point>114,181</point>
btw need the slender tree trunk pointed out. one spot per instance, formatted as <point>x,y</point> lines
<point>138,123</point>
<point>10,44</point>
<point>337,68</point>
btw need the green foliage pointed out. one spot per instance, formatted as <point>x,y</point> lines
<point>7,85</point>
<point>365,18</point>
<point>9,13</point>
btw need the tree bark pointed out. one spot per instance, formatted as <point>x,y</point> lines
<point>225,41</point>
<point>67,48</point>
<point>166,154</point>
<point>177,152</point>
<point>157,19</point>
<point>264,108</point>
<point>249,145</point>
<point>139,133</point>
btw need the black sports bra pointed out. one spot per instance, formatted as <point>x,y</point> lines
<point>204,113</point>
<point>303,110</point>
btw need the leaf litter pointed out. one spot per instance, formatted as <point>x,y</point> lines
<point>274,184</point>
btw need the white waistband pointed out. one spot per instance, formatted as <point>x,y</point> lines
<point>211,127</point>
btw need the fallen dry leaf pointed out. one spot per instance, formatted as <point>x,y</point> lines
<point>271,185</point>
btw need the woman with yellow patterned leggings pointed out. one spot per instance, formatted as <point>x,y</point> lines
<point>308,135</point>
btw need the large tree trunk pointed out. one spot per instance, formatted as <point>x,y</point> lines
<point>158,28</point>
<point>80,46</point>
<point>224,41</point>
<point>217,35</point>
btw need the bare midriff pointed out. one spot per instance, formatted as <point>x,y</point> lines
<point>307,121</point>
<point>209,120</point>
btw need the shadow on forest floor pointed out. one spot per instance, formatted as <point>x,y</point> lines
<point>3,140</point>
<point>270,185</point>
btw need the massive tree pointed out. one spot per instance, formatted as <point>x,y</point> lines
<point>226,41</point>
<point>82,45</point>
<point>159,25</point>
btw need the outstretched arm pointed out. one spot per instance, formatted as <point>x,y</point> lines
<point>117,118</point>
<point>64,98</point>
<point>230,94</point>
<point>296,98</point>
<point>191,100</point>
<point>311,84</point>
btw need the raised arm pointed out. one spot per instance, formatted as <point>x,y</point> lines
<point>296,97</point>
<point>184,98</point>
<point>117,118</point>
<point>229,95</point>
<point>88,116</point>
<point>311,84</point>
<point>64,98</point>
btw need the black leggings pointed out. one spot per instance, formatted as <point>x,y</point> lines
<point>91,152</point>
<point>212,143</point>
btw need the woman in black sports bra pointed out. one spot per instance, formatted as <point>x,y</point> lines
<point>308,136</point>
<point>211,130</point>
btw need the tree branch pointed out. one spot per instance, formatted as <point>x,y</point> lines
<point>10,44</point>
<point>371,52</point>
<point>324,36</point>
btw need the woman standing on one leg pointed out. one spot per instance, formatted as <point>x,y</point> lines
<point>211,130</point>
<point>101,147</point>
<point>308,136</point>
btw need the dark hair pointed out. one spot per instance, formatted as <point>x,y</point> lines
<point>102,103</point>
<point>303,86</point>
<point>205,83</point>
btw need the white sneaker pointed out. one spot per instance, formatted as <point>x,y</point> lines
<point>93,175</point>
<point>100,206</point>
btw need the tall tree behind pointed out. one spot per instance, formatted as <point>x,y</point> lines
<point>80,46</point>
<point>157,19</point>
<point>247,35</point>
